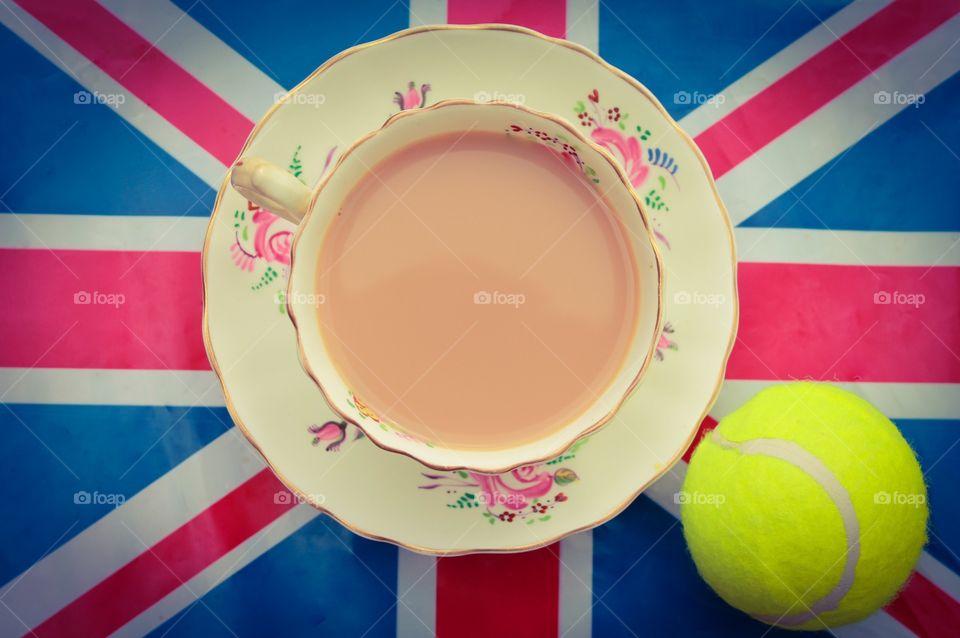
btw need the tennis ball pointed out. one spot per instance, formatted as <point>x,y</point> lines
<point>805,508</point>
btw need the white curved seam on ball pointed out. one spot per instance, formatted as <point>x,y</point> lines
<point>803,460</point>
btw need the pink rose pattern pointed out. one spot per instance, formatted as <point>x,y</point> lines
<point>527,494</point>
<point>609,129</point>
<point>262,241</point>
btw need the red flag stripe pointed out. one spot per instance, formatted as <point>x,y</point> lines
<point>847,323</point>
<point>172,561</point>
<point>823,77</point>
<point>546,16</point>
<point>925,609</point>
<point>102,309</point>
<point>481,595</point>
<point>148,73</point>
<point>839,329</point>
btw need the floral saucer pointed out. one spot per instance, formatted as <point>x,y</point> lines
<point>252,345</point>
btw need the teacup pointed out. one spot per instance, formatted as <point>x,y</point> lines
<point>316,211</point>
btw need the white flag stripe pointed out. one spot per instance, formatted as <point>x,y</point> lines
<point>425,12</point>
<point>896,400</point>
<point>103,232</point>
<point>583,23</point>
<point>132,109</point>
<point>416,611</point>
<point>107,545</point>
<point>940,575</point>
<point>786,60</point>
<point>825,134</point>
<point>664,492</point>
<point>780,245</point>
<point>74,386</point>
<point>205,56</point>
<point>847,247</point>
<point>200,388</point>
<point>576,586</point>
<point>879,625</point>
<point>220,570</point>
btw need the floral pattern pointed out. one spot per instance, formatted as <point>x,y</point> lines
<point>665,342</point>
<point>559,145</point>
<point>412,98</point>
<point>528,494</point>
<point>609,129</point>
<point>335,432</point>
<point>262,240</point>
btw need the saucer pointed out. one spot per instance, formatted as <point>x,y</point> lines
<point>378,494</point>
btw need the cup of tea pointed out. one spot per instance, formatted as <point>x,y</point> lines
<point>474,285</point>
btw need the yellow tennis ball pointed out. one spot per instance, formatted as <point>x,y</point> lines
<point>805,508</point>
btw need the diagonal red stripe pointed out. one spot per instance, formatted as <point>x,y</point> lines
<point>925,609</point>
<point>172,561</point>
<point>148,73</point>
<point>823,77</point>
<point>484,595</point>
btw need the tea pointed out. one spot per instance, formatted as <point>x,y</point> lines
<point>479,292</point>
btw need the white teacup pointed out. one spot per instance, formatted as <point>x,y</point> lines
<point>314,209</point>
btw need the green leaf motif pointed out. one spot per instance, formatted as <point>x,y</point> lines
<point>564,476</point>
<point>580,107</point>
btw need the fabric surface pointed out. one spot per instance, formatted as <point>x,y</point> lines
<point>831,127</point>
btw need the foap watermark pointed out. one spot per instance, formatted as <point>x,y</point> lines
<point>698,98</point>
<point>497,298</point>
<point>684,497</point>
<point>497,96</point>
<point>98,498</point>
<point>697,298</point>
<point>283,497</point>
<point>899,498</point>
<point>97,298</point>
<point>515,501</point>
<point>298,298</point>
<point>112,100</point>
<point>897,98</point>
<point>306,99</point>
<point>897,298</point>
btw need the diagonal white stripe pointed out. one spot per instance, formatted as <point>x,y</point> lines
<point>786,60</point>
<point>133,110</point>
<point>790,158</point>
<point>101,549</point>
<point>218,571</point>
<point>206,57</point>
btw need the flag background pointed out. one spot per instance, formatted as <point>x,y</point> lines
<point>836,196</point>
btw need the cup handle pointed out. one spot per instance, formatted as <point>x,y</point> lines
<point>269,186</point>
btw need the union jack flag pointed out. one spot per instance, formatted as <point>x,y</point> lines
<point>831,193</point>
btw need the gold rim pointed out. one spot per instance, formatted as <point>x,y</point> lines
<point>371,432</point>
<point>683,137</point>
